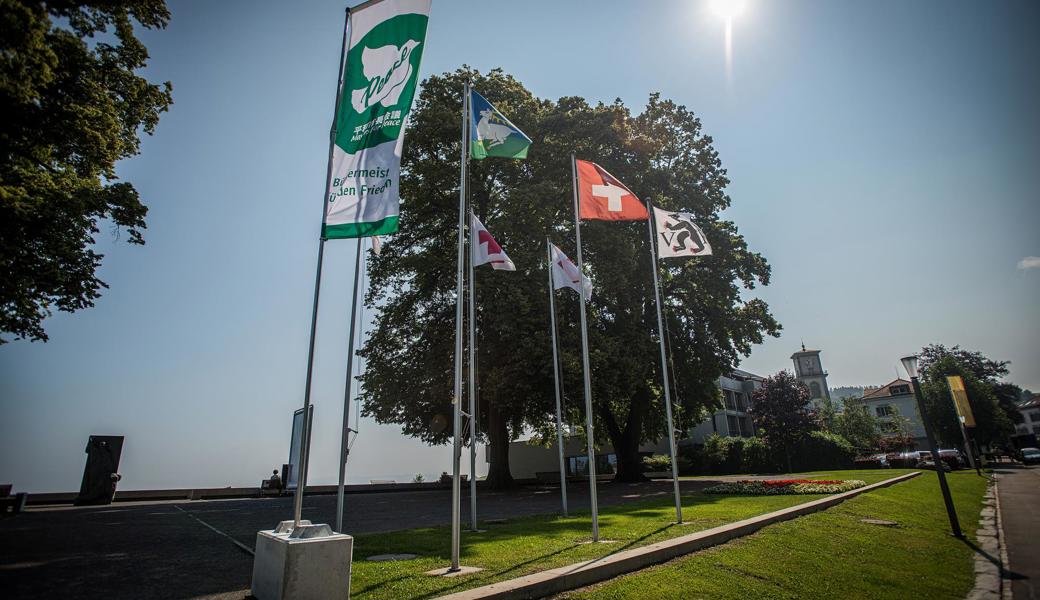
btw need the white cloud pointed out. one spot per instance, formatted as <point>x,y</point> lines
<point>1029,262</point>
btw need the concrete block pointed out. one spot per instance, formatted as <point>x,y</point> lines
<point>306,563</point>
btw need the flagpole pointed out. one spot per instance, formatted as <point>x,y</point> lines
<point>556,375</point>
<point>585,361</point>
<point>305,430</point>
<point>456,452</point>
<point>664,365</point>
<point>344,447</point>
<point>472,385</point>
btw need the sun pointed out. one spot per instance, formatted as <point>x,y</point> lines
<point>728,9</point>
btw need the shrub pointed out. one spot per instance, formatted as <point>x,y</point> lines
<point>822,450</point>
<point>657,462</point>
<point>724,455</point>
<point>868,462</point>
<point>757,458</point>
<point>691,459</point>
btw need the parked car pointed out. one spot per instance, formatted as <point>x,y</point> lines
<point>1030,456</point>
<point>953,457</point>
<point>928,463</point>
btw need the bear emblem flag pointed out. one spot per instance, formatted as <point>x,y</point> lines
<point>678,235</point>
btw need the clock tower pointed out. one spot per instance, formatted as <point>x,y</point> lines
<point>809,370</point>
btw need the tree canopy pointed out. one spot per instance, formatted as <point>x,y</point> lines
<point>663,156</point>
<point>782,412</point>
<point>992,424</point>
<point>73,106</point>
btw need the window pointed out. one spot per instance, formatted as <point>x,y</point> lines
<point>895,390</point>
<point>741,405</point>
<point>734,425</point>
<point>814,388</point>
<point>884,410</point>
<point>729,400</point>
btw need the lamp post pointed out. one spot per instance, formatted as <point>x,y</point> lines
<point>910,364</point>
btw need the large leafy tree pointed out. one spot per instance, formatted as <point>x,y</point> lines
<point>72,106</point>
<point>980,374</point>
<point>663,156</point>
<point>782,413</point>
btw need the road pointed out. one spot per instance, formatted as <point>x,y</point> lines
<point>1019,489</point>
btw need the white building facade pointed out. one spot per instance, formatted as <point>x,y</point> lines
<point>893,400</point>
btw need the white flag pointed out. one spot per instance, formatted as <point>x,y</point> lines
<point>484,249</point>
<point>678,235</point>
<point>565,273</point>
<point>381,72</point>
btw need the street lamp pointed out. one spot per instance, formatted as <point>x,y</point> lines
<point>910,364</point>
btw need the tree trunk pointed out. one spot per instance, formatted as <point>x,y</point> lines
<point>626,444</point>
<point>499,477</point>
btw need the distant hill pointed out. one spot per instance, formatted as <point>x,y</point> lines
<point>837,393</point>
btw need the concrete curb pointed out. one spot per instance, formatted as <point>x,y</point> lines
<point>555,581</point>
<point>988,573</point>
<point>1005,568</point>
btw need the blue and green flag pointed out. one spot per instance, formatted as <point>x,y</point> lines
<point>491,134</point>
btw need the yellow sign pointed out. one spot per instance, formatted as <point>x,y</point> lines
<point>960,400</point>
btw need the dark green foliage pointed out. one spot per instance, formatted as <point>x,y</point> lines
<point>72,107</point>
<point>993,427</point>
<point>657,462</point>
<point>823,450</point>
<point>855,423</point>
<point>722,455</point>
<point>663,156</point>
<point>782,414</point>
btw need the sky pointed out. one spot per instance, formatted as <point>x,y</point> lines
<point>883,159</point>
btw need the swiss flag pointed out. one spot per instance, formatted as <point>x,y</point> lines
<point>602,197</point>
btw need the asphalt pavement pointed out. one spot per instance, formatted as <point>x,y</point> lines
<point>165,550</point>
<point>1019,489</point>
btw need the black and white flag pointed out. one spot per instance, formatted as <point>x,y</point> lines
<point>678,235</point>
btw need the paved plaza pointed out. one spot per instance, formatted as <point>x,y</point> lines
<point>126,549</point>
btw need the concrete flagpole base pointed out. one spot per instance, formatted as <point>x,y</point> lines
<point>306,562</point>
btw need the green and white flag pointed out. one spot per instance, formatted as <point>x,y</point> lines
<point>384,49</point>
<point>491,134</point>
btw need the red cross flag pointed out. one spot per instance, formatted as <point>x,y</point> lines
<point>484,248</point>
<point>602,197</point>
<point>566,274</point>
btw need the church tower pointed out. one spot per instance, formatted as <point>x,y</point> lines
<point>809,370</point>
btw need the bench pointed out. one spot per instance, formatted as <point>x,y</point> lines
<point>269,487</point>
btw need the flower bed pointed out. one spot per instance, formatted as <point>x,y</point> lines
<point>775,487</point>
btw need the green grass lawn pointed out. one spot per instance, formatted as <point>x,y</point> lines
<point>832,554</point>
<point>526,545</point>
